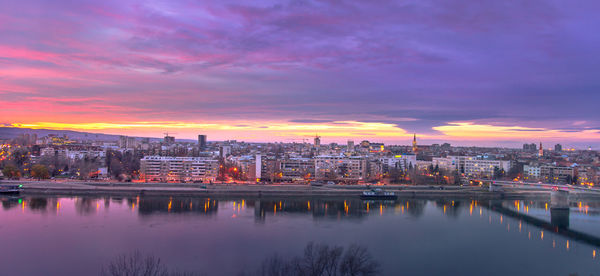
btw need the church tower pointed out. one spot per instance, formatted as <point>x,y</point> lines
<point>414,145</point>
<point>541,153</point>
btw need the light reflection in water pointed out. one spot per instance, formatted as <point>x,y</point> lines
<point>318,208</point>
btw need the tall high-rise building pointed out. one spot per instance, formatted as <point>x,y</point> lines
<point>169,140</point>
<point>317,141</point>
<point>224,151</point>
<point>350,146</point>
<point>414,144</point>
<point>122,143</point>
<point>131,142</point>
<point>202,141</point>
<point>530,147</point>
<point>558,147</point>
<point>258,167</point>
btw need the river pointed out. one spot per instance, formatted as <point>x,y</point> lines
<point>54,235</point>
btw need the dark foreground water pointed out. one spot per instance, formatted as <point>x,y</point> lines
<point>78,235</point>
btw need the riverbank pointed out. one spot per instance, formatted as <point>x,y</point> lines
<point>81,188</point>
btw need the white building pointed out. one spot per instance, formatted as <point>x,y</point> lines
<point>533,172</point>
<point>224,151</point>
<point>472,165</point>
<point>353,167</point>
<point>82,154</point>
<point>449,163</point>
<point>258,166</point>
<point>165,168</point>
<point>402,161</point>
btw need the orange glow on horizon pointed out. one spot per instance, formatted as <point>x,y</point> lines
<point>282,130</point>
<point>475,131</point>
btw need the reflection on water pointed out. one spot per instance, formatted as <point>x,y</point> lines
<point>263,208</point>
<point>317,208</point>
<point>412,223</point>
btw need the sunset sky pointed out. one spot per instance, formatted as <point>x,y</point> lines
<point>464,72</point>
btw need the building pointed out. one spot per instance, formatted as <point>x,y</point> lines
<point>529,147</point>
<point>54,152</point>
<point>483,167</point>
<point>340,167</point>
<point>473,166</point>
<point>414,144</point>
<point>166,168</point>
<point>449,163</point>
<point>350,147</point>
<point>202,142</point>
<point>83,154</point>
<point>169,140</point>
<point>402,161</point>
<point>264,168</point>
<point>258,165</point>
<point>555,174</point>
<point>127,142</point>
<point>317,141</point>
<point>541,152</point>
<point>297,168</point>
<point>122,143</point>
<point>376,147</point>
<point>224,151</point>
<point>558,147</point>
<point>531,172</point>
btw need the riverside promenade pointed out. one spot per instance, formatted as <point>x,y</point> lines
<point>50,187</point>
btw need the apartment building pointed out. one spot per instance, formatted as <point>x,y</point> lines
<point>165,168</point>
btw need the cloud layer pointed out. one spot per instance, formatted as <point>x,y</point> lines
<point>443,69</point>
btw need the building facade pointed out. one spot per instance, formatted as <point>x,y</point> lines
<point>340,167</point>
<point>297,168</point>
<point>165,168</point>
<point>472,166</point>
<point>402,161</point>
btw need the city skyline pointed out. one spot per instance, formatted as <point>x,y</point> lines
<point>415,140</point>
<point>488,74</point>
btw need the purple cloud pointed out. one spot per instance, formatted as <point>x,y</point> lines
<point>530,64</point>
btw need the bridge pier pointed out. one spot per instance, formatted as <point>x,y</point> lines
<point>559,208</point>
<point>559,199</point>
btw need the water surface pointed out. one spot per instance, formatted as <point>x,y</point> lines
<point>78,235</point>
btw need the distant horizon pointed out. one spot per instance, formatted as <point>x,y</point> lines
<point>309,139</point>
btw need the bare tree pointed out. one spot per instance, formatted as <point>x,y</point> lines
<point>319,259</point>
<point>135,264</point>
<point>358,261</point>
<point>322,260</point>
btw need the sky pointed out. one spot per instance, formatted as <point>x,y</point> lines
<point>489,73</point>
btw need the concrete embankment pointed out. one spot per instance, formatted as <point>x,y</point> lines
<point>80,188</point>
